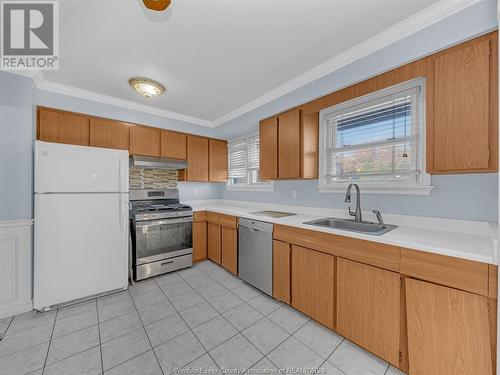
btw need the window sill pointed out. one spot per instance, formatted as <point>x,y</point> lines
<point>250,188</point>
<point>379,189</point>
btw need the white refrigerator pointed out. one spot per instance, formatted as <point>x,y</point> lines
<point>81,223</point>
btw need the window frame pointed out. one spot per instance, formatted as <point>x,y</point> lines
<point>248,186</point>
<point>422,187</point>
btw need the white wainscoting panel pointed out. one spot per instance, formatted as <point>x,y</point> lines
<point>16,267</point>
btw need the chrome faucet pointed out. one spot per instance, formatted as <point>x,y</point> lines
<point>379,217</point>
<point>357,212</point>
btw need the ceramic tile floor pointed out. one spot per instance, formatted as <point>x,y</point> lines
<point>198,320</point>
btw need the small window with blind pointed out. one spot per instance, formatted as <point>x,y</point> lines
<point>243,168</point>
<point>376,141</point>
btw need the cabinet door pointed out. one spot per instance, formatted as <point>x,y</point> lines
<point>109,134</point>
<point>173,145</point>
<point>448,330</point>
<point>313,288</point>
<point>461,130</point>
<point>289,145</point>
<point>268,144</point>
<point>281,271</point>
<point>229,247</point>
<point>197,157</point>
<point>63,127</point>
<point>199,241</point>
<point>217,160</point>
<point>213,242</point>
<point>368,302</point>
<point>144,141</point>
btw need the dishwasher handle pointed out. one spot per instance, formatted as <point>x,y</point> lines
<point>255,225</point>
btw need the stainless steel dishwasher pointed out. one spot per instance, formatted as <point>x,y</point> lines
<point>255,259</point>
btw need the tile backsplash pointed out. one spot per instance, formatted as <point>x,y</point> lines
<point>152,178</point>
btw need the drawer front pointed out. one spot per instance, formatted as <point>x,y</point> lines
<point>212,217</point>
<point>199,216</point>
<point>163,266</point>
<point>372,253</point>
<point>440,269</point>
<point>228,221</point>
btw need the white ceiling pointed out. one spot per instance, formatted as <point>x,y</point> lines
<point>212,55</point>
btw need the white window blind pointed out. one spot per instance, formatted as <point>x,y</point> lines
<point>253,152</point>
<point>375,139</point>
<point>237,160</point>
<point>243,166</point>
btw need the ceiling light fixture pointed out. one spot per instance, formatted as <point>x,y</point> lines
<point>146,87</point>
<point>157,5</point>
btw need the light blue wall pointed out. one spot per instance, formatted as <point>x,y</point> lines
<point>189,191</point>
<point>471,197</point>
<point>16,156</point>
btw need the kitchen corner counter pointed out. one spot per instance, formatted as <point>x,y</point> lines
<point>470,240</point>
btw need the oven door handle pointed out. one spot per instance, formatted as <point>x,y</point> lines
<point>155,223</point>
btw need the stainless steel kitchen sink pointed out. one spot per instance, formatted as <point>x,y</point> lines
<point>366,227</point>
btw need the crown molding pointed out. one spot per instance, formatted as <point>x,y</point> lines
<point>118,102</point>
<point>401,30</point>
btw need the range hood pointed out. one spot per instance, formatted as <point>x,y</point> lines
<point>138,161</point>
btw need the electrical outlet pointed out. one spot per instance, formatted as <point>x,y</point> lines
<point>294,194</point>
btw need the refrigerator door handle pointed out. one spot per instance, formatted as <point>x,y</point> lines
<point>120,177</point>
<point>120,212</point>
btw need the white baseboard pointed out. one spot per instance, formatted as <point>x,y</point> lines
<point>16,267</point>
<point>17,309</point>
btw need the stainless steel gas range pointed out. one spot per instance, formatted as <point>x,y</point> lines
<point>161,230</point>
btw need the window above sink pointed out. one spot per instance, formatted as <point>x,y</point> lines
<point>376,141</point>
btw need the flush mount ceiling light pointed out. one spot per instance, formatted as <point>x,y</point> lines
<point>157,5</point>
<point>146,87</point>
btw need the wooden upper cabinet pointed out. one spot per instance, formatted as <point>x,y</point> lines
<point>268,140</point>
<point>63,127</point>
<point>109,134</point>
<point>313,284</point>
<point>173,145</point>
<point>309,145</point>
<point>368,308</point>
<point>289,144</point>
<point>144,141</point>
<point>448,330</point>
<point>217,160</point>
<point>463,136</point>
<point>197,158</point>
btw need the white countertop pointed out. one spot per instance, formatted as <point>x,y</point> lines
<point>458,238</point>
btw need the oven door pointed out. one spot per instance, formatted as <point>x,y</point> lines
<point>162,239</point>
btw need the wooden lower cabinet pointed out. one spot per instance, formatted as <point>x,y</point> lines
<point>213,242</point>
<point>281,271</point>
<point>313,284</point>
<point>368,305</point>
<point>199,241</point>
<point>448,330</point>
<point>229,249</point>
